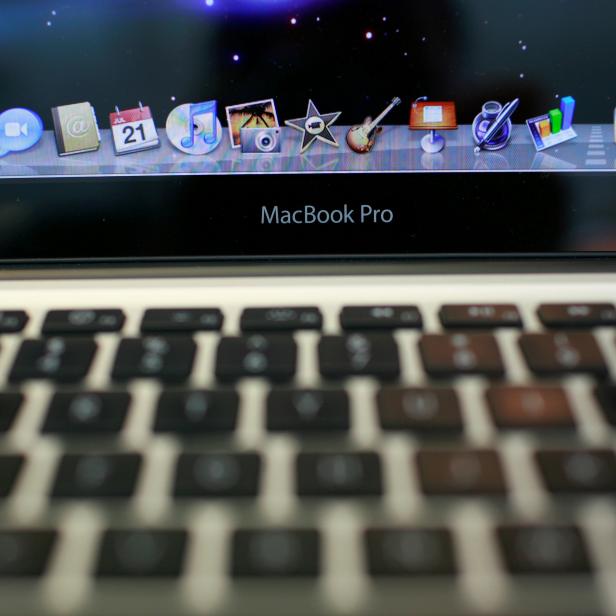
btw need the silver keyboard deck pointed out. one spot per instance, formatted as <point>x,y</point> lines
<point>482,587</point>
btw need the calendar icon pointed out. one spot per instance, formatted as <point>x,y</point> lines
<point>133,130</point>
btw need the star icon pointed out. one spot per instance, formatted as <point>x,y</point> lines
<point>315,126</point>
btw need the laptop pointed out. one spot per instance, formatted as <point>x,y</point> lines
<point>307,307</point>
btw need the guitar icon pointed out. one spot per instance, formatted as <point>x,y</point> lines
<point>362,138</point>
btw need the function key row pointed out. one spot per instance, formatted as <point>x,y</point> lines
<point>441,471</point>
<point>298,552</point>
<point>418,410</point>
<point>274,356</point>
<point>289,319</point>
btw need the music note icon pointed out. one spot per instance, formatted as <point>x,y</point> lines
<point>195,128</point>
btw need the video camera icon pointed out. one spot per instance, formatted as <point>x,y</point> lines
<point>20,130</point>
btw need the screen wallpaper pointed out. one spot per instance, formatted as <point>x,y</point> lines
<point>182,87</point>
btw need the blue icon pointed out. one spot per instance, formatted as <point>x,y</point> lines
<point>195,128</point>
<point>20,130</point>
<point>492,128</point>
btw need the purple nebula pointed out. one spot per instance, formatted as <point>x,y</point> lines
<point>253,6</point>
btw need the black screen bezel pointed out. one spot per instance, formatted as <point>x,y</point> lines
<point>205,219</point>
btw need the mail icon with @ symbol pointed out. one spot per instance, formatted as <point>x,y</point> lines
<point>76,129</point>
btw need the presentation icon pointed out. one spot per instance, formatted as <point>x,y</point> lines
<point>20,130</point>
<point>76,129</point>
<point>194,128</point>
<point>433,116</point>
<point>554,127</point>
<point>133,130</point>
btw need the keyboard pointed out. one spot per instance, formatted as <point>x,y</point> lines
<point>328,458</point>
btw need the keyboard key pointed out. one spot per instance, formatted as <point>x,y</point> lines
<point>10,404</point>
<point>59,322</point>
<point>141,554</point>
<point>169,359</point>
<point>273,357</point>
<point>196,412</point>
<point>460,472</point>
<point>563,353</point>
<point>380,318</point>
<point>12,321</point>
<point>96,476</point>
<point>25,553</point>
<point>94,413</point>
<point>64,360</point>
<point>543,550</point>
<point>339,474</point>
<point>187,320</point>
<point>453,355</point>
<point>480,316</point>
<point>578,471</point>
<point>304,411</point>
<point>418,409</point>
<point>276,553</point>
<point>566,316</point>
<point>606,397</point>
<point>217,475</point>
<point>409,552</point>
<point>10,465</point>
<point>280,319</point>
<point>359,355</point>
<point>530,407</point>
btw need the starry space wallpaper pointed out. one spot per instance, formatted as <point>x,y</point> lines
<point>349,55</point>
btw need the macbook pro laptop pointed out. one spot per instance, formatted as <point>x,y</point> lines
<point>307,308</point>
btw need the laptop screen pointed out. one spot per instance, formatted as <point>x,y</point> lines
<point>194,129</point>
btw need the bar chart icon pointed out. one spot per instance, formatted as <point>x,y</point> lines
<point>554,127</point>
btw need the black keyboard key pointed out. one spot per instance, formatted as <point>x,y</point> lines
<point>480,316</point>
<point>169,359</point>
<point>273,357</point>
<point>359,355</point>
<point>450,355</point>
<point>276,553</point>
<point>339,474</point>
<point>96,476</point>
<point>10,465</point>
<point>561,353</point>
<point>573,471</point>
<point>281,319</point>
<point>427,411</point>
<point>141,554</point>
<point>461,472</point>
<point>606,397</point>
<point>12,321</point>
<point>93,413</point>
<point>64,360</point>
<point>308,410</point>
<point>58,322</point>
<point>410,552</point>
<point>380,318</point>
<point>566,316</point>
<point>537,550</point>
<point>217,475</point>
<point>196,412</point>
<point>530,407</point>
<point>188,320</point>
<point>25,553</point>
<point>10,403</point>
